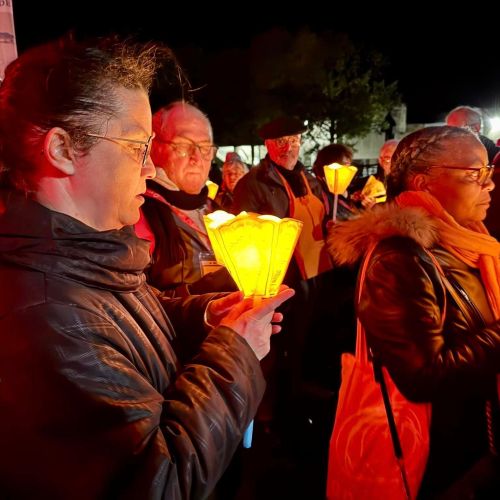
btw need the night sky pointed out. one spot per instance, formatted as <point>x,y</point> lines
<point>440,61</point>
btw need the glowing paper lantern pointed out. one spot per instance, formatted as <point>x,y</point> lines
<point>338,177</point>
<point>255,249</point>
<point>212,189</point>
<point>375,189</point>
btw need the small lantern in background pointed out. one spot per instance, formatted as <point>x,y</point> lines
<point>374,189</point>
<point>338,177</point>
<point>256,250</point>
<point>212,189</point>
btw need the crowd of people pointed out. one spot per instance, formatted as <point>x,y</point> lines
<point>130,364</point>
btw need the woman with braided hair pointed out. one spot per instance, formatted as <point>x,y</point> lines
<point>437,348</point>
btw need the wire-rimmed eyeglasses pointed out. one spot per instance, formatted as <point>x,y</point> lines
<point>185,149</point>
<point>292,141</point>
<point>144,149</point>
<point>480,175</point>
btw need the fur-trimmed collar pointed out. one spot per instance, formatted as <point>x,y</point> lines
<point>349,240</point>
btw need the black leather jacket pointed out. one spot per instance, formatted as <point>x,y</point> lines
<point>403,300</point>
<point>93,400</point>
<point>261,190</point>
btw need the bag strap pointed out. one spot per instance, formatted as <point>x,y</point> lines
<point>362,355</point>
<point>391,421</point>
<point>361,345</point>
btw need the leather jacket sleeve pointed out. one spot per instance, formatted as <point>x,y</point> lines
<point>401,309</point>
<point>134,423</point>
<point>187,315</point>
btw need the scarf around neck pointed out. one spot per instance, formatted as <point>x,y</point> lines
<point>294,178</point>
<point>186,201</point>
<point>473,245</point>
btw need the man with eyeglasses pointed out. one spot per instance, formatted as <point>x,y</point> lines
<point>281,186</point>
<point>182,262</point>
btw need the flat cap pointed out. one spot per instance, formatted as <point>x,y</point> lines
<point>281,127</point>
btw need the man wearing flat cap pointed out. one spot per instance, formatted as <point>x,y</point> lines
<point>281,186</point>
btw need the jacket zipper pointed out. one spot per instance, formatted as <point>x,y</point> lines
<point>479,321</point>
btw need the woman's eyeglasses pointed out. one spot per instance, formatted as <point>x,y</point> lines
<point>480,175</point>
<point>144,150</point>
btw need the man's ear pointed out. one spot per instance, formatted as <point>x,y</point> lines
<point>58,150</point>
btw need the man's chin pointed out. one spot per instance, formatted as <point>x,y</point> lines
<point>287,162</point>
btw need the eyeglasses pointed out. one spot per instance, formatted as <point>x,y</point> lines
<point>480,175</point>
<point>292,141</point>
<point>185,149</point>
<point>143,150</point>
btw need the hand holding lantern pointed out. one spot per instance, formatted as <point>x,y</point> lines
<point>256,250</point>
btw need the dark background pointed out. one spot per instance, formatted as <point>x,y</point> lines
<point>441,55</point>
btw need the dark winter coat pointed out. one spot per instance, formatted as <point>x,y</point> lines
<point>262,191</point>
<point>176,265</point>
<point>402,303</point>
<point>93,400</point>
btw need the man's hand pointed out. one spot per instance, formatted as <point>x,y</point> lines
<point>253,320</point>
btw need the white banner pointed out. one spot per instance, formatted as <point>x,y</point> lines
<point>8,47</point>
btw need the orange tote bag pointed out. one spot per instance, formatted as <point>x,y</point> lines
<point>366,460</point>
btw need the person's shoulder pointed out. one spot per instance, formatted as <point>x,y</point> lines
<point>491,148</point>
<point>26,288</point>
<point>254,175</point>
<point>398,244</point>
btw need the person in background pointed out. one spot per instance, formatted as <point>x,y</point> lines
<point>472,119</point>
<point>95,403</point>
<point>176,200</point>
<point>384,159</point>
<point>233,170</point>
<point>375,187</point>
<point>435,349</point>
<point>281,186</point>
<point>492,220</point>
<point>333,153</point>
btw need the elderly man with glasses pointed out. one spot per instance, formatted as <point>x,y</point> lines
<point>176,200</point>
<point>281,186</point>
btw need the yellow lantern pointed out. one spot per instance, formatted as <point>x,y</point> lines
<point>212,189</point>
<point>375,189</point>
<point>338,177</point>
<point>255,249</point>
